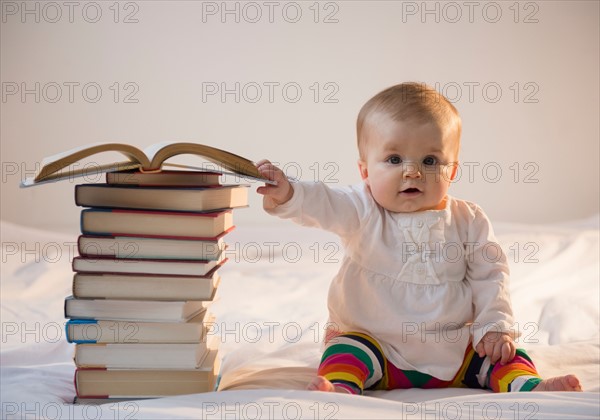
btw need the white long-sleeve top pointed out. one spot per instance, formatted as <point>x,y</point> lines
<point>419,283</point>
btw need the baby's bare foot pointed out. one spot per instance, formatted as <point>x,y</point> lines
<point>320,383</point>
<point>559,383</point>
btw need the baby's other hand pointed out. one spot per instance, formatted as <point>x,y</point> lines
<point>275,195</point>
<point>499,346</point>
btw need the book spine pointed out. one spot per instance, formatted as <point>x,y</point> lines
<point>78,350</point>
<point>79,239</point>
<point>77,388</point>
<point>151,260</point>
<point>72,322</point>
<point>84,212</point>
<point>73,282</point>
<point>144,236</point>
<point>159,213</point>
<point>65,306</point>
<point>76,195</point>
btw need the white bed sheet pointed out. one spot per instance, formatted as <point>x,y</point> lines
<point>271,312</point>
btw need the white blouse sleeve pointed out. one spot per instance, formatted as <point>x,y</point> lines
<point>488,276</point>
<point>338,210</point>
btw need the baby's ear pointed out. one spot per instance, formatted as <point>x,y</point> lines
<point>362,167</point>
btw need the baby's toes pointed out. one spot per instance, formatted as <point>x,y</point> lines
<point>320,384</point>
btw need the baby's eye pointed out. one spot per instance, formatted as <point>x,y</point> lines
<point>430,161</point>
<point>394,160</point>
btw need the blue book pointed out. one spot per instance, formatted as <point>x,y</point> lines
<point>89,331</point>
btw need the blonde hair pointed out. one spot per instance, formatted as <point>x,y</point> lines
<point>411,101</point>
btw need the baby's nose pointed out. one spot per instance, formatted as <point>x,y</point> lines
<point>412,170</point>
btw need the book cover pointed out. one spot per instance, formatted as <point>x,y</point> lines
<point>151,248</point>
<point>145,286</point>
<point>82,331</point>
<point>111,265</point>
<point>140,355</point>
<point>189,199</point>
<point>156,224</point>
<point>138,310</point>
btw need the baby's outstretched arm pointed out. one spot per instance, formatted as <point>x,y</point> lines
<point>499,346</point>
<point>337,209</point>
<point>275,195</point>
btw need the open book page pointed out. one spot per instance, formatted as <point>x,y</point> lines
<point>234,175</point>
<point>226,159</point>
<point>235,164</point>
<point>81,172</point>
<point>151,150</point>
<point>57,167</point>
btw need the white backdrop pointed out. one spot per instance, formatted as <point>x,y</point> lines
<point>285,80</point>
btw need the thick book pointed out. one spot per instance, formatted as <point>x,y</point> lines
<point>136,310</point>
<point>112,265</point>
<point>157,224</point>
<point>163,178</point>
<point>192,199</point>
<point>149,383</point>
<point>151,248</point>
<point>151,159</point>
<point>82,331</point>
<point>144,287</point>
<point>141,355</point>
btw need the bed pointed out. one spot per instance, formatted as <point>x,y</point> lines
<point>271,313</point>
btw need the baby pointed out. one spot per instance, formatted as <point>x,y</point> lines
<point>422,295</point>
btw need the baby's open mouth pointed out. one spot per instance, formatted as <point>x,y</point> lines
<point>411,190</point>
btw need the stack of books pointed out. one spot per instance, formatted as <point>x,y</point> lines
<point>150,250</point>
<point>151,246</point>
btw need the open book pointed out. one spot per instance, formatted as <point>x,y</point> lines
<point>151,159</point>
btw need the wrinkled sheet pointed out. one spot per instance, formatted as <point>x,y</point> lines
<point>271,314</point>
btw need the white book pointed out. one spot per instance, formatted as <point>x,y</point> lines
<point>128,310</point>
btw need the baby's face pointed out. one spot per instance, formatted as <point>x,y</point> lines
<point>408,166</point>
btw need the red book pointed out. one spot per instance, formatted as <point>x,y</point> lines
<point>168,198</point>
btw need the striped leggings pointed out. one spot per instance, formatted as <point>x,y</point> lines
<point>355,362</point>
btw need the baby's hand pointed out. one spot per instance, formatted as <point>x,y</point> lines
<point>497,345</point>
<point>275,195</point>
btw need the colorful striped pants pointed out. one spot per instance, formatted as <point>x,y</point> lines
<point>355,362</point>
